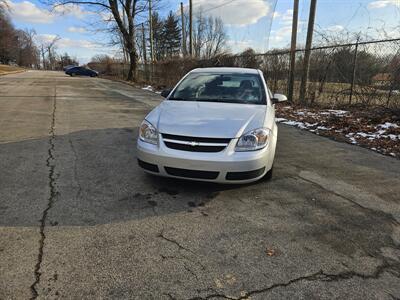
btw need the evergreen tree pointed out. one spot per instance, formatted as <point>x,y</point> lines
<point>158,39</point>
<point>171,36</point>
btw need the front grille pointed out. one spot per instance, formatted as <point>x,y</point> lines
<point>191,173</point>
<point>195,144</point>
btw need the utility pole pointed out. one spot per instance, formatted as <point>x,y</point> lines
<point>44,62</point>
<point>151,33</point>
<point>183,31</point>
<point>293,49</point>
<point>191,28</point>
<point>144,45</point>
<point>307,53</point>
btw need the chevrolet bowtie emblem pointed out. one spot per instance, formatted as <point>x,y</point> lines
<point>194,144</point>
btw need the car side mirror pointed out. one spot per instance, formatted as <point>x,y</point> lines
<point>278,98</point>
<point>165,93</point>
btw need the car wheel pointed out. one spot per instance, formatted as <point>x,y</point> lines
<point>73,74</point>
<point>268,175</point>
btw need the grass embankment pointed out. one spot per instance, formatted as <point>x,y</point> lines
<point>6,69</point>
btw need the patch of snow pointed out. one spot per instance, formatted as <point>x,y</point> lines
<point>387,125</point>
<point>353,140</point>
<point>311,125</point>
<point>280,120</point>
<point>392,154</point>
<point>295,123</point>
<point>382,131</point>
<point>323,128</point>
<point>148,88</point>
<point>338,112</point>
<point>363,134</point>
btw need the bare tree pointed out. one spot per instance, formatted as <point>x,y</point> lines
<point>215,37</point>
<point>199,34</point>
<point>124,13</point>
<point>48,47</point>
<point>209,36</point>
<point>8,44</point>
<point>28,54</point>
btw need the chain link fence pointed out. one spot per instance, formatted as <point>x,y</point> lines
<point>365,73</point>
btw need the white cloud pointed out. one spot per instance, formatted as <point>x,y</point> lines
<point>26,11</point>
<point>29,12</point>
<point>76,29</point>
<point>287,17</point>
<point>239,12</point>
<point>71,10</point>
<point>276,14</point>
<point>383,3</point>
<point>335,28</point>
<point>64,43</point>
<point>240,46</point>
<point>283,33</point>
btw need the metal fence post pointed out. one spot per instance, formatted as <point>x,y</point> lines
<point>293,50</point>
<point>353,75</point>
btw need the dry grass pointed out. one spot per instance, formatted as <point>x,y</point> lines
<point>336,95</point>
<point>6,69</point>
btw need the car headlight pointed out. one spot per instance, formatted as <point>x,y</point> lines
<point>253,140</point>
<point>148,133</point>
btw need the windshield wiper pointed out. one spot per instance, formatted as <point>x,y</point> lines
<point>176,99</point>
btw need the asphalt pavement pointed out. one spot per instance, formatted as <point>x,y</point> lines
<point>80,220</point>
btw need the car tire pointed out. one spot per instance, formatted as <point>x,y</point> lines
<point>73,74</point>
<point>268,175</point>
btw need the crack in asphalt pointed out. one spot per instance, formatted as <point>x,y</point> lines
<point>392,219</point>
<point>161,235</point>
<point>185,266</point>
<point>53,193</point>
<point>318,276</point>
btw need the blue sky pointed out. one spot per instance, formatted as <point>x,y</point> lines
<point>248,22</point>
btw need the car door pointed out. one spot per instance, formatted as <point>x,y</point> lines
<point>82,71</point>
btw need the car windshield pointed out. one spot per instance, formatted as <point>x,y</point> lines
<point>220,87</point>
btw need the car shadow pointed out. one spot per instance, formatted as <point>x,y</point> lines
<point>95,179</point>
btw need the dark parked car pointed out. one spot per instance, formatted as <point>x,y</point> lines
<point>82,71</point>
<point>69,67</point>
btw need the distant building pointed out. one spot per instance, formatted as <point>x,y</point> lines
<point>382,79</point>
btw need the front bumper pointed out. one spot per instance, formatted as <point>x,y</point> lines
<point>226,166</point>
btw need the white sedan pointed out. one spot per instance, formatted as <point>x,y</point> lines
<point>216,124</point>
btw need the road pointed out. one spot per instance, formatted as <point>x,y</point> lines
<point>80,220</point>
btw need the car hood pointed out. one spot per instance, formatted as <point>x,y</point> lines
<point>206,119</point>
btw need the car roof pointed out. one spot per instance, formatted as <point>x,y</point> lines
<point>225,70</point>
